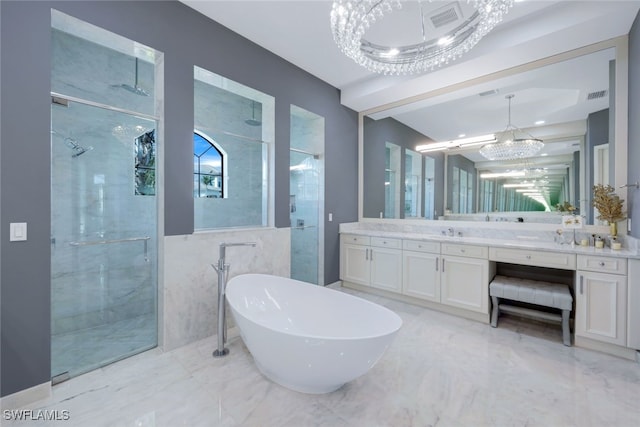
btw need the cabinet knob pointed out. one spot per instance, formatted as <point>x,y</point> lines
<point>601,263</point>
<point>528,257</point>
<point>462,250</point>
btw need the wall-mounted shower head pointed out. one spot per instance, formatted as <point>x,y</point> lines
<point>77,149</point>
<point>253,121</point>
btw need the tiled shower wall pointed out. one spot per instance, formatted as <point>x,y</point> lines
<point>93,194</point>
<point>222,115</point>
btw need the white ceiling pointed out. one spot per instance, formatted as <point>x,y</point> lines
<point>299,31</point>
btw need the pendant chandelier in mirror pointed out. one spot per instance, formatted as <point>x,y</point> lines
<point>509,146</point>
<point>429,35</point>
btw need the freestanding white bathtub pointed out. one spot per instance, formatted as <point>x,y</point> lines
<point>305,337</point>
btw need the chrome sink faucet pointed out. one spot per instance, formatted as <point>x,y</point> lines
<point>450,232</point>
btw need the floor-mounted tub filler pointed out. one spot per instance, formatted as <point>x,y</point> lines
<point>306,337</point>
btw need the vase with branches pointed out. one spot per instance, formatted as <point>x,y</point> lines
<point>609,206</point>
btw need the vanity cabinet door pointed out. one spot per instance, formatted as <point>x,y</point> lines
<point>421,275</point>
<point>601,311</point>
<point>355,265</point>
<point>386,269</point>
<point>465,283</point>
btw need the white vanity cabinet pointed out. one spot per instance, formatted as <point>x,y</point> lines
<point>421,269</point>
<point>601,299</point>
<point>354,259</point>
<point>371,261</point>
<point>633,305</point>
<point>464,277</point>
<point>456,275</point>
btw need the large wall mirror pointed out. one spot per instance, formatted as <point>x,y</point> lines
<point>574,102</point>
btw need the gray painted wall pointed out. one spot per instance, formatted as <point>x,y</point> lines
<point>376,134</point>
<point>187,39</point>
<point>633,173</point>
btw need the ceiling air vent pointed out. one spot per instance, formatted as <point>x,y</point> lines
<point>446,15</point>
<point>489,92</point>
<point>597,95</point>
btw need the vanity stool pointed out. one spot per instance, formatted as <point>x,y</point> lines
<point>546,294</point>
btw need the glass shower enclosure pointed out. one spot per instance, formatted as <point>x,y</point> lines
<point>103,198</point>
<point>103,225</point>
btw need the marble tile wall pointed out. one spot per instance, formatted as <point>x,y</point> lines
<point>221,115</point>
<point>189,293</point>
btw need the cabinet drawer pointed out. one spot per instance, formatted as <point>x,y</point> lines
<point>356,239</point>
<point>531,257</point>
<point>420,246</point>
<point>465,250</point>
<point>386,243</point>
<point>602,264</point>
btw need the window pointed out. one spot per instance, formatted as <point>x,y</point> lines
<point>208,167</point>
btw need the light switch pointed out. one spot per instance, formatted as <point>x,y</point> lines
<point>17,231</point>
<point>330,217</point>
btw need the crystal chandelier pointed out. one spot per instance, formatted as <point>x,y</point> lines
<point>509,147</point>
<point>351,19</point>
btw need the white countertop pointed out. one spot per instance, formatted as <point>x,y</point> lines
<point>524,243</point>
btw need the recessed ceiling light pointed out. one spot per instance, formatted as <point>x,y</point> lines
<point>462,135</point>
<point>544,154</point>
<point>539,122</point>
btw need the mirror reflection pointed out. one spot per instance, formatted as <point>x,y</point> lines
<point>423,160</point>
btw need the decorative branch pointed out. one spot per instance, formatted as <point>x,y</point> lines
<point>608,203</point>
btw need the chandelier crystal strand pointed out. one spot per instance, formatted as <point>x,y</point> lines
<point>511,147</point>
<point>350,20</point>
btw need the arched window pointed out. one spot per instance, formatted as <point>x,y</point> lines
<point>209,164</point>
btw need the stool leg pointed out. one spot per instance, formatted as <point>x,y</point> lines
<point>495,312</point>
<point>566,333</point>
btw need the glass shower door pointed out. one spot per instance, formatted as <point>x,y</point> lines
<point>103,224</point>
<point>303,204</point>
<point>306,196</point>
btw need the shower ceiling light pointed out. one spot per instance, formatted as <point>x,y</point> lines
<point>350,19</point>
<point>127,133</point>
<point>510,147</point>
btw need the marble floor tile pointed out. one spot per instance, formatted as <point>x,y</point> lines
<point>79,351</point>
<point>441,370</point>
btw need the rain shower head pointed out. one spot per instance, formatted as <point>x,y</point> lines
<point>135,88</point>
<point>253,121</point>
